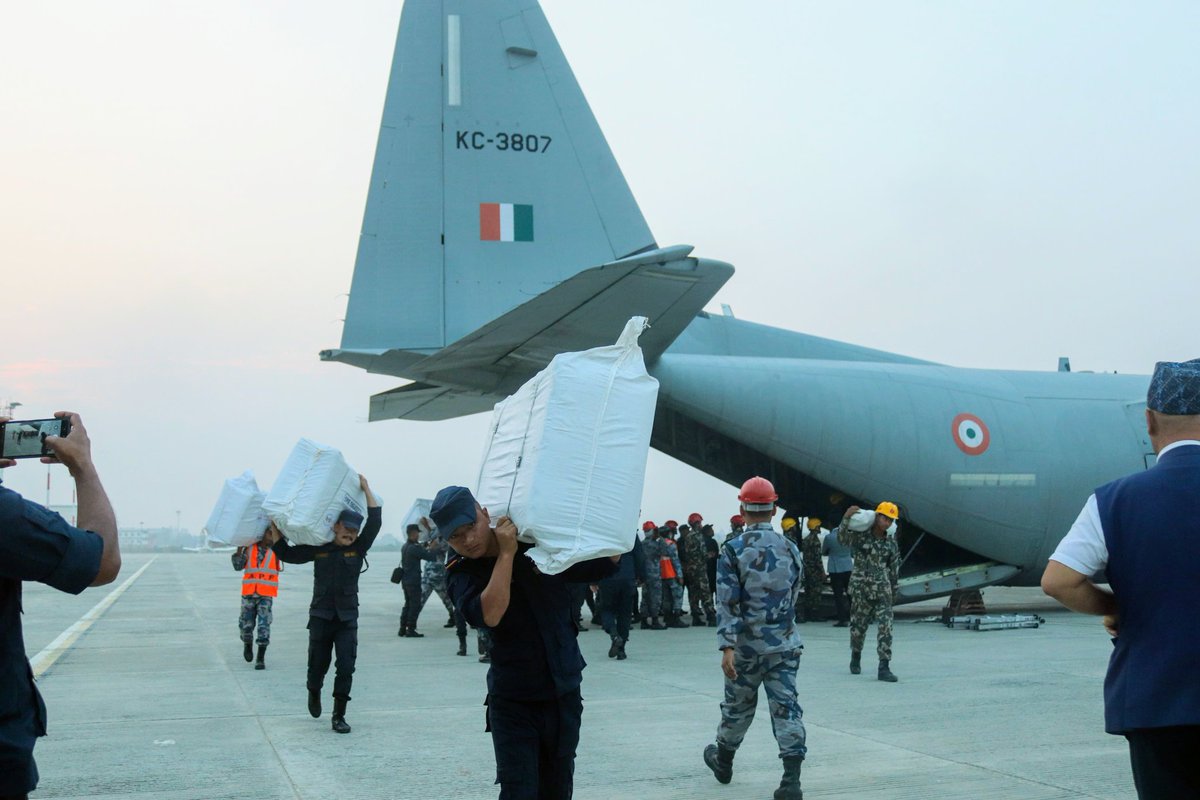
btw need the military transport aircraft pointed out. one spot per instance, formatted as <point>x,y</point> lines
<point>500,231</point>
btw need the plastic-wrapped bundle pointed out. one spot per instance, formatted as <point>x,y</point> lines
<point>238,518</point>
<point>567,455</point>
<point>313,488</point>
<point>861,520</point>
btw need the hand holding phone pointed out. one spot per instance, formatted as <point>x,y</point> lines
<point>26,438</point>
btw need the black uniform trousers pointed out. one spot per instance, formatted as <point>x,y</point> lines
<point>324,637</point>
<point>840,581</point>
<point>535,743</point>
<point>617,599</point>
<point>1164,762</point>
<point>412,606</point>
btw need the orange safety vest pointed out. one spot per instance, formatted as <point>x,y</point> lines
<point>262,572</point>
<point>666,569</point>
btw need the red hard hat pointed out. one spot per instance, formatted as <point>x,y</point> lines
<point>648,526</point>
<point>758,494</point>
<point>672,524</point>
<point>737,519</point>
<point>694,517</point>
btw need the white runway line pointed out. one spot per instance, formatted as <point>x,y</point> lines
<point>53,651</point>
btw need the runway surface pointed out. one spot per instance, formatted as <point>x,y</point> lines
<point>153,699</point>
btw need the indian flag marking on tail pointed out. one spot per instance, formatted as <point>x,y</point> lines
<point>505,222</point>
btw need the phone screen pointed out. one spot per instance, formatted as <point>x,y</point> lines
<point>27,438</point>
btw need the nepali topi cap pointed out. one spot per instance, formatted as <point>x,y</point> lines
<point>1175,388</point>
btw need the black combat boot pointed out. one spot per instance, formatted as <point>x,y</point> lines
<point>855,662</point>
<point>248,651</point>
<point>675,620</point>
<point>262,653</point>
<point>720,760</point>
<point>646,623</point>
<point>412,633</point>
<point>339,716</point>
<point>621,651</point>
<point>885,673</point>
<point>712,619</point>
<point>615,647</point>
<point>657,625</point>
<point>314,703</point>
<point>462,645</point>
<point>789,787</point>
<point>403,630</point>
<point>451,623</point>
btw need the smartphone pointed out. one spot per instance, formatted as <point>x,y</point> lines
<point>26,438</point>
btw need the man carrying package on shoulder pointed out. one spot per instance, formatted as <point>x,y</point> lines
<point>333,613</point>
<point>260,570</point>
<point>534,704</point>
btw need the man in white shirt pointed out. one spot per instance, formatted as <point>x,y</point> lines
<point>1144,532</point>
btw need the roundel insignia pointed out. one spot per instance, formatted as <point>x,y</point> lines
<point>970,434</point>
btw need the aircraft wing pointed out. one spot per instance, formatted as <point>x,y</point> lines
<point>666,286</point>
<point>428,403</point>
<point>588,310</point>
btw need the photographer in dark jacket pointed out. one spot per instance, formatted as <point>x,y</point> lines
<point>534,704</point>
<point>38,545</point>
<point>333,613</point>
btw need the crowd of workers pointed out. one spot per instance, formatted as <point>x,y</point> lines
<point>753,588</point>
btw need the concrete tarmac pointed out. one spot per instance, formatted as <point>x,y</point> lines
<point>153,700</point>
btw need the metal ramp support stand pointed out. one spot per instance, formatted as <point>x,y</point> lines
<point>963,602</point>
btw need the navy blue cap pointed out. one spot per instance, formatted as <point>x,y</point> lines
<point>452,508</point>
<point>350,519</point>
<point>1175,388</point>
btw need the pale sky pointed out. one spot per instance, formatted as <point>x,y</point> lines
<point>984,184</point>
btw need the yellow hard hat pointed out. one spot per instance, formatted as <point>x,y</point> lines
<point>788,523</point>
<point>888,509</point>
<point>814,523</point>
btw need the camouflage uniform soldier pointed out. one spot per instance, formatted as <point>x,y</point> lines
<point>814,569</point>
<point>671,572</point>
<point>260,587</point>
<point>433,579</point>
<point>652,587</point>
<point>695,574</point>
<point>873,585</point>
<point>758,584</point>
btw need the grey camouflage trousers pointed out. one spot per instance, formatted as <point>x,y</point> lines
<point>775,672</point>
<point>256,609</point>
<point>429,587</point>
<point>652,597</point>
<point>871,601</point>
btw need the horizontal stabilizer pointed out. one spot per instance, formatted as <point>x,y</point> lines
<point>589,310</point>
<point>421,401</point>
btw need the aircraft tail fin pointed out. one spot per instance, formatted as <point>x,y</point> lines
<point>492,181</point>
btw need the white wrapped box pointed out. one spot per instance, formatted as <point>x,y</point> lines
<point>313,488</point>
<point>238,518</point>
<point>567,455</point>
<point>418,511</point>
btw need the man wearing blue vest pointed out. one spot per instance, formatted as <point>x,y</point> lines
<point>1143,530</point>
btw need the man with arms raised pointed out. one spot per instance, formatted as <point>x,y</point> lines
<point>533,703</point>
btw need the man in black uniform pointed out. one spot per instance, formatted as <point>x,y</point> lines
<point>534,705</point>
<point>38,545</point>
<point>411,556</point>
<point>333,613</point>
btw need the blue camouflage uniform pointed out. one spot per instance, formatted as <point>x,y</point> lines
<point>35,545</point>
<point>654,550</point>
<point>759,576</point>
<point>673,586</point>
